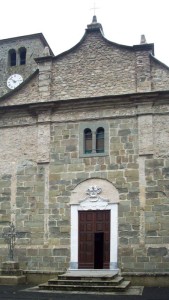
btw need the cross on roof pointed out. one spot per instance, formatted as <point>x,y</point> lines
<point>94,8</point>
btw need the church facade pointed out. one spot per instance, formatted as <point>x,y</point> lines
<point>84,159</point>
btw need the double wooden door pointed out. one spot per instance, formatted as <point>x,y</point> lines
<point>94,239</point>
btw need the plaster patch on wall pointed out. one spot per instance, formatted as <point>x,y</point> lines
<point>145,128</point>
<point>142,184</point>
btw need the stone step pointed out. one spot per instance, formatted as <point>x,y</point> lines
<point>87,275</point>
<point>87,288</point>
<point>87,281</point>
<point>83,282</point>
<point>86,278</point>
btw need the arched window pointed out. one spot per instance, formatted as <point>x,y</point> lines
<point>12,57</point>
<point>100,140</point>
<point>22,56</point>
<point>93,138</point>
<point>87,140</point>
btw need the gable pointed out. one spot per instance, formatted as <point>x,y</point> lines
<point>95,68</point>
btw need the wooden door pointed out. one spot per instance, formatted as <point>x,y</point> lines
<point>94,239</point>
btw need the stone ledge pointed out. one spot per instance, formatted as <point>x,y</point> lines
<point>10,265</point>
<point>154,274</point>
<point>40,276</point>
<point>148,279</point>
<point>43,272</point>
<point>12,280</point>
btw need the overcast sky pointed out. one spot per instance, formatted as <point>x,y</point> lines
<point>63,22</point>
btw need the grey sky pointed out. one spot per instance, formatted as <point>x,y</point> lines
<point>63,22</point>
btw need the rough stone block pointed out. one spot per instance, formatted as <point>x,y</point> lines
<point>124,132</point>
<point>131,175</point>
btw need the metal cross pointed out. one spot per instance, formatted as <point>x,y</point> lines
<point>94,8</point>
<point>9,237</point>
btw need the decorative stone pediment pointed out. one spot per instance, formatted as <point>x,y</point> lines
<point>94,193</point>
<point>93,201</point>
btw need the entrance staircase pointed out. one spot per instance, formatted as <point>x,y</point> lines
<point>100,281</point>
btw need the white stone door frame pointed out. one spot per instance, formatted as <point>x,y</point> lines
<point>113,207</point>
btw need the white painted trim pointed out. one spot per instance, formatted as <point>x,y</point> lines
<point>113,235</point>
<point>74,234</point>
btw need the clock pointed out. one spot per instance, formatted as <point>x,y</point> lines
<point>14,80</point>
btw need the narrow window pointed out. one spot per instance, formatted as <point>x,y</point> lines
<point>12,57</point>
<point>100,140</point>
<point>87,140</point>
<point>22,56</point>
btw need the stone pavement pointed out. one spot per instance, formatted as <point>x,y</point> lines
<point>23,292</point>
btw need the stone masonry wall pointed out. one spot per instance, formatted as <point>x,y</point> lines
<point>143,72</point>
<point>34,48</point>
<point>95,68</point>
<point>24,96</point>
<point>151,253</point>
<point>40,164</point>
<point>141,248</point>
<point>35,191</point>
<point>160,76</point>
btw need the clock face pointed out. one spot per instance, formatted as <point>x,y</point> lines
<point>14,80</point>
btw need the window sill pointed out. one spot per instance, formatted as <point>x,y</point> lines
<point>93,154</point>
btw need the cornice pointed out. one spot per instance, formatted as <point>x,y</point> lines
<point>113,101</point>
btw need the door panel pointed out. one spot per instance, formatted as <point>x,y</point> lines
<point>94,239</point>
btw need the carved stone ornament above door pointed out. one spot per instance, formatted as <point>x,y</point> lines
<point>93,201</point>
<point>94,190</point>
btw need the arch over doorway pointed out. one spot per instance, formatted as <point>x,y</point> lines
<point>94,225</point>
